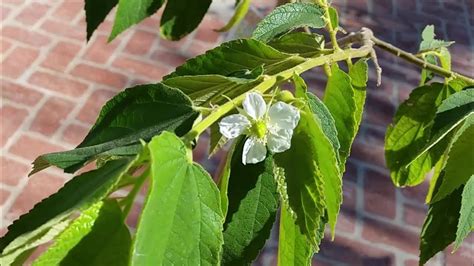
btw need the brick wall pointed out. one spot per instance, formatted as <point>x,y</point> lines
<point>53,85</point>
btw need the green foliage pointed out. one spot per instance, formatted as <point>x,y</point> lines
<point>182,219</point>
<point>253,203</point>
<point>96,11</point>
<point>98,237</point>
<point>123,121</point>
<point>466,218</point>
<point>289,17</point>
<point>301,43</point>
<point>241,10</point>
<point>433,50</point>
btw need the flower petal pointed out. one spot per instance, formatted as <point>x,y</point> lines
<point>254,151</point>
<point>233,125</point>
<point>283,116</point>
<point>279,140</point>
<point>254,105</point>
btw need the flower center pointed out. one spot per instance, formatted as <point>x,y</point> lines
<point>258,129</point>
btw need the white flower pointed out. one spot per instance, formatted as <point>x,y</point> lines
<point>272,127</point>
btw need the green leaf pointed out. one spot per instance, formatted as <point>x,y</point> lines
<point>224,177</point>
<point>410,132</point>
<point>301,43</point>
<point>182,219</point>
<point>463,98</point>
<point>124,120</point>
<point>359,73</point>
<point>240,12</point>
<point>429,42</point>
<point>466,218</point>
<point>216,140</point>
<point>97,237</point>
<point>131,12</point>
<point>434,49</point>
<point>289,17</point>
<point>78,194</point>
<point>253,203</point>
<point>459,165</point>
<point>96,12</point>
<point>334,17</point>
<point>340,100</point>
<point>439,228</point>
<point>180,17</point>
<point>294,248</point>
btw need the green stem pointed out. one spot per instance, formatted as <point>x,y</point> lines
<point>130,199</point>
<point>329,28</point>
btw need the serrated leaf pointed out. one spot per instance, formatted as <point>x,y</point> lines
<point>439,228</point>
<point>288,17</point>
<point>410,132</point>
<point>241,10</point>
<point>294,248</point>
<point>96,12</point>
<point>253,203</point>
<point>124,120</point>
<point>463,99</point>
<point>182,218</point>
<point>131,12</point>
<point>459,165</point>
<point>78,194</point>
<point>302,43</point>
<point>466,218</point>
<point>180,17</point>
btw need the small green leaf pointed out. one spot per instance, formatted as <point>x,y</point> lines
<point>334,17</point>
<point>359,77</point>
<point>466,218</point>
<point>410,132</point>
<point>180,17</point>
<point>429,42</point>
<point>289,17</point>
<point>301,43</point>
<point>434,49</point>
<point>294,248</point>
<point>96,11</point>
<point>78,194</point>
<point>253,203</point>
<point>240,12</point>
<point>439,228</point>
<point>123,121</point>
<point>182,218</point>
<point>131,12</point>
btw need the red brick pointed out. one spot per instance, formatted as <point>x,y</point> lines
<point>58,83</point>
<point>4,195</point>
<point>346,221</point>
<point>4,12</point>
<point>416,193</point>
<point>94,104</point>
<point>413,215</point>
<point>28,37</point>
<point>32,13</point>
<point>74,134</point>
<point>388,234</point>
<point>51,115</point>
<point>39,187</point>
<point>198,48</point>
<point>64,30</point>
<point>61,56</point>
<point>169,58</point>
<point>20,94</point>
<point>134,215</point>
<point>100,75</point>
<point>379,110</point>
<point>206,30</point>
<point>30,147</point>
<point>174,45</point>
<point>368,153</point>
<point>379,194</point>
<point>69,10</point>
<point>141,42</point>
<point>11,119</point>
<point>18,61</point>
<point>5,46</point>
<point>99,50</point>
<point>463,256</point>
<point>349,192</point>
<point>353,252</point>
<point>12,171</point>
<point>133,66</point>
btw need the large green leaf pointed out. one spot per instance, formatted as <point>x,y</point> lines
<point>288,17</point>
<point>294,248</point>
<point>253,203</point>
<point>410,132</point>
<point>98,237</point>
<point>439,228</point>
<point>182,218</point>
<point>359,77</point>
<point>96,11</point>
<point>466,218</point>
<point>78,194</point>
<point>459,165</point>
<point>137,113</point>
<point>131,12</point>
<point>302,43</point>
<point>181,17</point>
